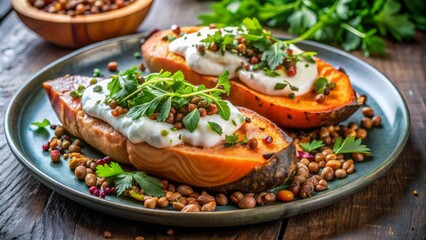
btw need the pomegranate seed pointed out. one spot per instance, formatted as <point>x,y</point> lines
<point>96,192</point>
<point>267,140</point>
<point>46,146</point>
<point>165,183</point>
<point>107,159</point>
<point>291,71</point>
<point>102,194</point>
<point>100,162</point>
<point>92,189</point>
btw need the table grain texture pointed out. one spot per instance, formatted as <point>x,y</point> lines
<point>387,209</point>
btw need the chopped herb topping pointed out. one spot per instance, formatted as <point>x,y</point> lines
<point>231,140</point>
<point>216,127</point>
<point>41,124</point>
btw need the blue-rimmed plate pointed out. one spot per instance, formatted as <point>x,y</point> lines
<point>31,104</point>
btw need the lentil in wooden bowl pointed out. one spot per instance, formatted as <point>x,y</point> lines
<point>73,30</point>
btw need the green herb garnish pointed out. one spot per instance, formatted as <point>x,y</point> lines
<point>191,120</point>
<point>161,91</point>
<point>309,147</point>
<point>350,145</point>
<point>216,127</point>
<point>97,73</point>
<point>231,140</point>
<point>321,84</point>
<point>280,86</point>
<point>221,41</point>
<point>124,180</point>
<point>269,72</point>
<point>41,124</point>
<point>137,55</point>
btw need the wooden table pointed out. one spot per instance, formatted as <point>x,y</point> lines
<point>385,210</point>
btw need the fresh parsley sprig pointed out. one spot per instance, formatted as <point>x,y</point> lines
<point>161,91</point>
<point>350,145</point>
<point>309,147</point>
<point>231,140</point>
<point>124,180</point>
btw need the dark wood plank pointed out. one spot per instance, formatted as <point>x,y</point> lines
<point>387,209</point>
<point>5,8</point>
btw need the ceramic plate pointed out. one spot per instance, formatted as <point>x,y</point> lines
<point>31,104</point>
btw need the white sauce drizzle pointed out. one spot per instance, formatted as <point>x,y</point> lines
<point>150,131</point>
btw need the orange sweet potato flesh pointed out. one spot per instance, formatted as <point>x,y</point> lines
<point>302,112</point>
<point>219,168</point>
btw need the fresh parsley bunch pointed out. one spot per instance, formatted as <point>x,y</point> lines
<point>159,92</point>
<point>351,24</point>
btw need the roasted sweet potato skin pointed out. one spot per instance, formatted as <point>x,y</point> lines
<point>302,112</point>
<point>219,168</point>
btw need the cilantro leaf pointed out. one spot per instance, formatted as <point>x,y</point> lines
<point>255,35</point>
<point>350,145</point>
<point>111,170</point>
<point>309,147</point>
<point>41,124</point>
<point>150,185</point>
<point>320,84</point>
<point>231,140</point>
<point>215,127</point>
<point>275,55</point>
<point>124,180</point>
<point>191,120</point>
<point>388,20</point>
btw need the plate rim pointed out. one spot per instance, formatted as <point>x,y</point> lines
<point>277,211</point>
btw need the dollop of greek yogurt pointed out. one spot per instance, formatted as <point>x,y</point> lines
<point>215,63</point>
<point>158,134</point>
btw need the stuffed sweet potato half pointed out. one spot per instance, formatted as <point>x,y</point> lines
<point>313,105</point>
<point>257,156</point>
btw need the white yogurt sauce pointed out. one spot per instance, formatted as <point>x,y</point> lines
<point>211,63</point>
<point>150,131</point>
<point>214,63</point>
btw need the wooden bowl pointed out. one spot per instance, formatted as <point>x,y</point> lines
<point>81,30</point>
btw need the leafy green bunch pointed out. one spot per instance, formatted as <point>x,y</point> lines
<point>351,24</point>
<point>159,92</point>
